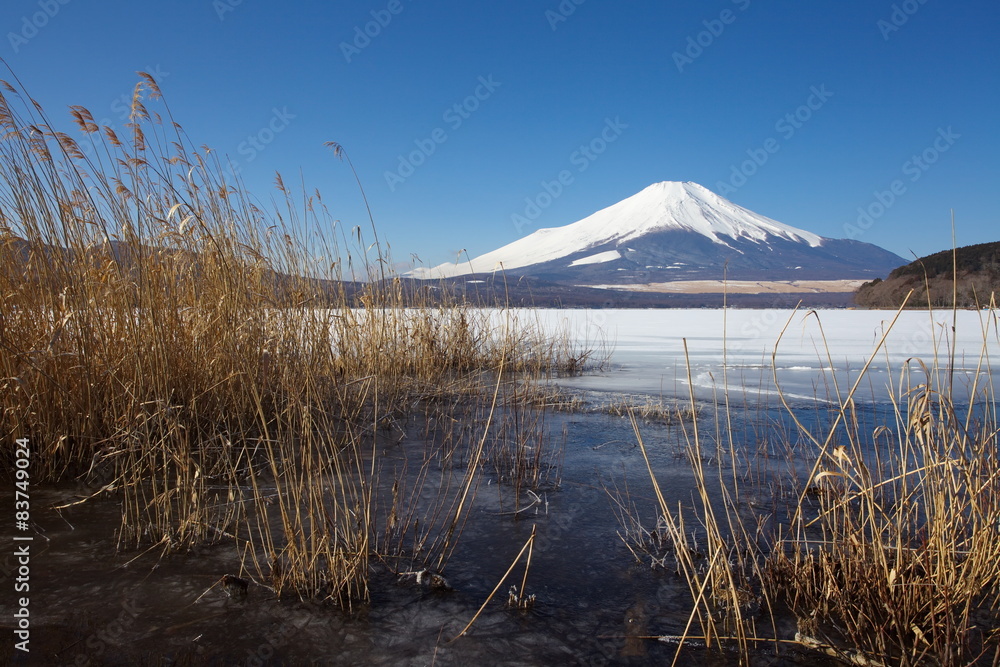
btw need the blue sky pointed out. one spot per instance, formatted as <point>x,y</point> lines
<point>848,118</point>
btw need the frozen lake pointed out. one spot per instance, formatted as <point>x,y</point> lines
<point>599,601</point>
<point>819,350</point>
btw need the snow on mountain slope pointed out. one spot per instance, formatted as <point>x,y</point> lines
<point>599,258</point>
<point>661,207</point>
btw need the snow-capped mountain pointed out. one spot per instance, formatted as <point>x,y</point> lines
<point>676,231</point>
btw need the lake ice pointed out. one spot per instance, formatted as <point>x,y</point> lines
<point>647,349</point>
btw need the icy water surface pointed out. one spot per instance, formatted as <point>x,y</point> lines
<point>595,602</point>
<point>812,350</point>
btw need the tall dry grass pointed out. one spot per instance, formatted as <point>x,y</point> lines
<point>214,365</point>
<point>881,540</point>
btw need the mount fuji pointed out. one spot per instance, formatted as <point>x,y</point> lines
<point>674,231</point>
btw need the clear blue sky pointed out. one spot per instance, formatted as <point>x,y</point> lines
<point>918,79</point>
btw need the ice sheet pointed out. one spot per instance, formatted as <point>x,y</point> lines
<point>819,352</point>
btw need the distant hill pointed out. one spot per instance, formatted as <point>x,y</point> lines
<point>932,280</point>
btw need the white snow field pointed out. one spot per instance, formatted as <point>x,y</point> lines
<point>599,258</point>
<point>817,349</point>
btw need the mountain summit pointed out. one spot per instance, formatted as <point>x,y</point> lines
<point>676,231</point>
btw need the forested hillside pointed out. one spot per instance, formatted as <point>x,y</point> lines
<point>932,279</point>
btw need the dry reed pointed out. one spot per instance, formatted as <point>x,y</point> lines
<point>232,374</point>
<point>886,552</point>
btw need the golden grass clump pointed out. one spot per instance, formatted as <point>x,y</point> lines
<point>887,553</point>
<point>228,373</point>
